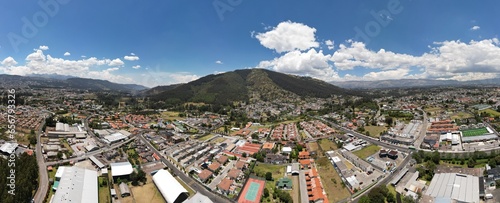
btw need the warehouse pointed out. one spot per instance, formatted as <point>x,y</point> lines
<point>169,187</point>
<point>121,170</point>
<point>454,186</point>
<point>76,185</point>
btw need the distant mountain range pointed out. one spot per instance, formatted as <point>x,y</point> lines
<point>61,81</point>
<point>408,83</point>
<point>245,85</point>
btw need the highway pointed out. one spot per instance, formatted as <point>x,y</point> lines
<point>188,180</point>
<point>43,180</point>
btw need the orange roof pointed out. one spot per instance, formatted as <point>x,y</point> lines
<point>305,161</point>
<point>205,174</point>
<point>214,166</point>
<point>225,184</point>
<point>268,145</point>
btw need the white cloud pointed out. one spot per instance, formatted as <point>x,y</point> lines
<point>39,63</point>
<point>156,76</point>
<point>136,67</point>
<point>9,61</point>
<point>218,62</point>
<point>330,44</point>
<point>67,54</point>
<point>475,27</point>
<point>116,62</point>
<point>311,63</point>
<point>289,36</point>
<point>133,57</point>
<point>83,56</point>
<point>43,48</point>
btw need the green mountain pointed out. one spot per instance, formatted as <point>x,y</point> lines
<point>245,85</point>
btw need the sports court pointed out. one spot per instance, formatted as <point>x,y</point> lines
<point>474,132</point>
<point>252,192</point>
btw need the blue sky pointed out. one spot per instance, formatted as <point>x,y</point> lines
<point>165,42</point>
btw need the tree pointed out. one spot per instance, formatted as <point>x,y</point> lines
<point>364,199</point>
<point>390,198</point>
<point>244,155</point>
<point>471,162</point>
<point>269,176</point>
<point>389,120</point>
<point>266,192</point>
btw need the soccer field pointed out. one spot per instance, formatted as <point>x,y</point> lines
<point>474,132</point>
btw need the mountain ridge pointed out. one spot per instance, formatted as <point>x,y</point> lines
<point>412,83</point>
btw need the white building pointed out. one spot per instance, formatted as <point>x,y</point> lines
<point>121,169</point>
<point>76,185</point>
<point>169,187</point>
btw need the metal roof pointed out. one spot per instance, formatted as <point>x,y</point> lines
<point>121,168</point>
<point>77,185</point>
<point>456,186</point>
<point>168,186</point>
<point>9,147</point>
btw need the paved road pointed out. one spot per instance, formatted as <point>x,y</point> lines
<point>222,175</point>
<point>188,180</point>
<point>43,180</point>
<point>421,137</point>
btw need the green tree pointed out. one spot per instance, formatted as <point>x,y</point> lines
<point>266,192</point>
<point>269,176</point>
<point>364,199</point>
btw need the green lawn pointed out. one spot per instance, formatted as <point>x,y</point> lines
<point>104,193</point>
<point>66,145</point>
<point>52,175</point>
<point>491,112</point>
<point>461,115</point>
<point>367,151</point>
<point>375,130</point>
<point>206,137</point>
<point>278,172</point>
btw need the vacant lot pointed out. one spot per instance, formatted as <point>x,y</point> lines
<point>278,172</point>
<point>491,112</point>
<point>295,192</point>
<point>367,151</point>
<point>327,145</point>
<point>170,115</point>
<point>217,140</point>
<point>461,115</point>
<point>313,146</point>
<point>332,183</point>
<point>206,137</point>
<point>375,131</point>
<point>147,193</point>
<point>104,193</point>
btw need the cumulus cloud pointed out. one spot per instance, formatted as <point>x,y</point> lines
<point>330,44</point>
<point>310,63</point>
<point>132,57</point>
<point>67,54</point>
<point>136,67</point>
<point>9,61</point>
<point>475,27</point>
<point>40,63</point>
<point>116,62</point>
<point>218,62</point>
<point>43,48</point>
<point>288,36</point>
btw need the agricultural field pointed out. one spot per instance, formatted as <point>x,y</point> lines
<point>375,131</point>
<point>367,151</point>
<point>170,115</point>
<point>334,187</point>
<point>206,137</point>
<point>461,115</point>
<point>474,132</point>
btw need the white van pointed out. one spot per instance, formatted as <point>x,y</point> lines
<point>488,196</point>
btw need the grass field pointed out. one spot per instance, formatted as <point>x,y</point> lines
<point>375,130</point>
<point>278,172</point>
<point>52,175</point>
<point>491,112</point>
<point>461,115</point>
<point>474,132</point>
<point>206,137</point>
<point>331,181</point>
<point>313,146</point>
<point>367,151</point>
<point>327,145</point>
<point>104,193</point>
<point>170,115</point>
<point>217,140</point>
<point>147,193</point>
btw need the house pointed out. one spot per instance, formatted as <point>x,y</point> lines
<point>214,167</point>
<point>225,185</point>
<point>305,163</point>
<point>284,183</point>
<point>494,173</point>
<point>286,150</point>
<point>205,175</point>
<point>223,159</point>
<point>233,174</point>
<point>241,165</point>
<point>304,155</point>
<point>393,154</point>
<point>382,153</point>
